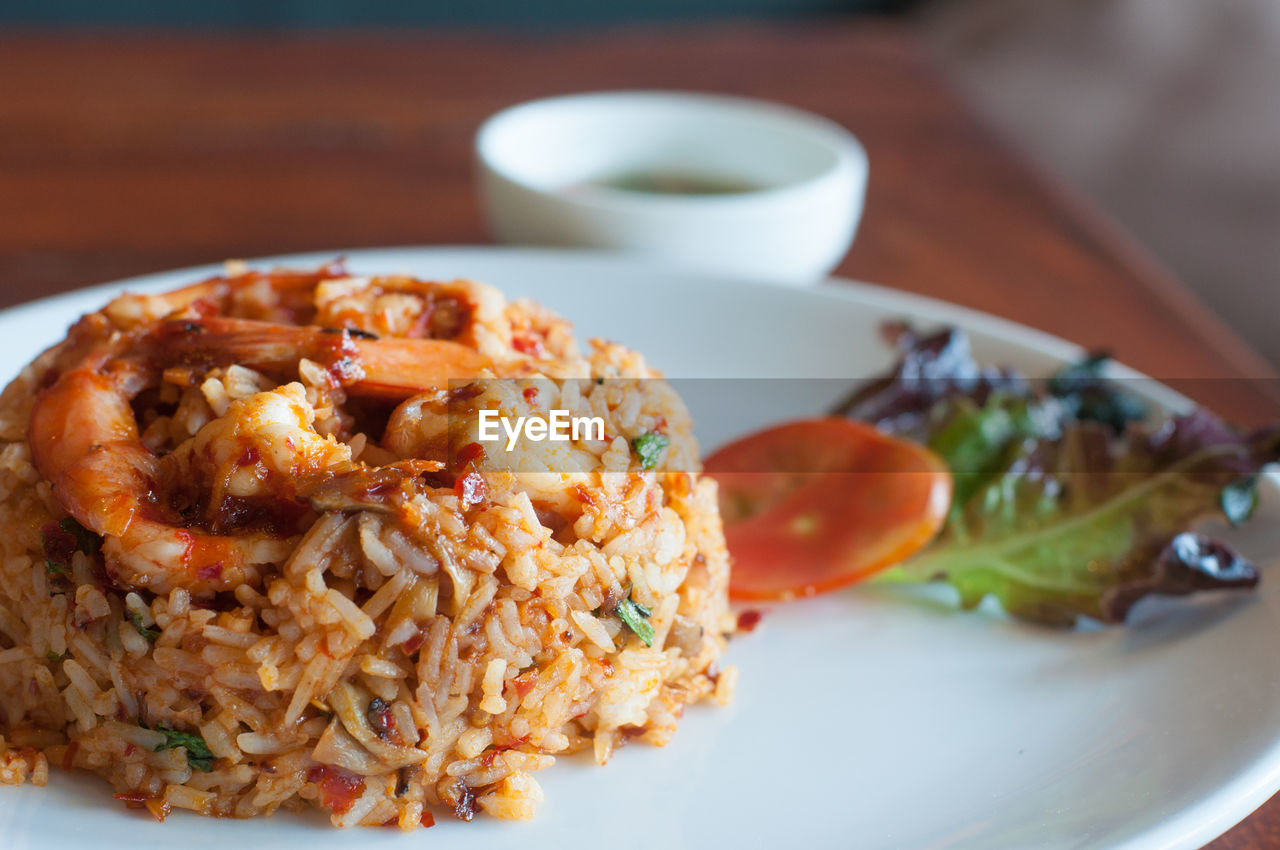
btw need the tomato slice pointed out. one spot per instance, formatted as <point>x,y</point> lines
<point>818,504</point>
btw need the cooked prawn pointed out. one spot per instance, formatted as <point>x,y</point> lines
<point>84,439</point>
<point>281,294</point>
<point>392,305</point>
<point>392,367</point>
<point>408,307</point>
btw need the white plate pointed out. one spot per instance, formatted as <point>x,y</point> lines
<point>862,719</point>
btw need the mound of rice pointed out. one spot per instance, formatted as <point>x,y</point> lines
<point>389,661</point>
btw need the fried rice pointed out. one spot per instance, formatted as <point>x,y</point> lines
<point>408,621</point>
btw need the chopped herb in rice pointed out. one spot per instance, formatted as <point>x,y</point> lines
<point>649,448</point>
<point>636,617</point>
<point>198,754</point>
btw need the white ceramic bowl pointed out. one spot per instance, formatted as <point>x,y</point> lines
<point>546,165</point>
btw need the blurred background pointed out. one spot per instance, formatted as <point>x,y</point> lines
<point>1164,113</point>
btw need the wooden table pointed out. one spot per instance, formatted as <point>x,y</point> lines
<point>122,155</point>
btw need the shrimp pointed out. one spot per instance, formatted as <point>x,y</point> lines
<point>390,368</point>
<point>275,294</point>
<point>265,445</point>
<point>84,439</point>
<point>461,311</point>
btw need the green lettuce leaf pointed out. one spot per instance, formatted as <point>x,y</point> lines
<point>1086,524</point>
<point>980,443</point>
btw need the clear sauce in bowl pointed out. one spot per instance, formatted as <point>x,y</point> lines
<point>675,183</point>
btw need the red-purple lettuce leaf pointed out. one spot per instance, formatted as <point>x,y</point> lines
<point>936,370</point>
<point>930,370</point>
